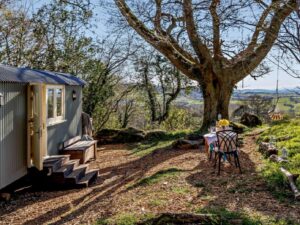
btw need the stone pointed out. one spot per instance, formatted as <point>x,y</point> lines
<point>106,136</point>
<point>237,127</point>
<point>187,144</point>
<point>155,134</point>
<point>267,149</point>
<point>275,158</point>
<point>250,120</point>
<point>130,135</point>
<point>115,136</point>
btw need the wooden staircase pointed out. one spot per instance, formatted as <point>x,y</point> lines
<point>61,171</point>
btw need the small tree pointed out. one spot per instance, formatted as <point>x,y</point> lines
<point>260,105</point>
<point>126,109</point>
<point>161,82</point>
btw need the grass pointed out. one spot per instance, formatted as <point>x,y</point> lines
<point>271,172</point>
<point>121,219</point>
<point>226,217</point>
<point>157,202</point>
<point>240,217</point>
<point>149,146</point>
<point>125,219</point>
<point>158,176</point>
<point>181,190</point>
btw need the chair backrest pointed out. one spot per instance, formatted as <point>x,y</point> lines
<point>227,140</point>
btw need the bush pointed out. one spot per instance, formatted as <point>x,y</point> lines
<point>180,119</point>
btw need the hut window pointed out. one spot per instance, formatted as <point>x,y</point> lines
<point>59,102</point>
<point>55,104</point>
<point>50,103</point>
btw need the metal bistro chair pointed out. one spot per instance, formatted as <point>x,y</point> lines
<point>227,146</point>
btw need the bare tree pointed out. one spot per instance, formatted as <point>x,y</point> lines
<point>125,111</point>
<point>260,105</point>
<point>288,44</point>
<point>162,83</point>
<point>197,38</point>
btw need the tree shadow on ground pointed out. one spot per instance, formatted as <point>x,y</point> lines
<point>123,175</point>
<point>230,190</point>
<point>26,192</point>
<point>234,191</point>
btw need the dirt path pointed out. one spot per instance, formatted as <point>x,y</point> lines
<point>192,187</point>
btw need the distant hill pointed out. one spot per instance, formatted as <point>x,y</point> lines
<point>194,96</point>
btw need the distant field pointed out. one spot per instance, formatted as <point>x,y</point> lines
<point>287,104</point>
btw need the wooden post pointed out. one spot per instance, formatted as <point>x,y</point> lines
<point>291,178</point>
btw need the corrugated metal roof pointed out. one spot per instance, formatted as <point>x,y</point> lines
<point>26,75</point>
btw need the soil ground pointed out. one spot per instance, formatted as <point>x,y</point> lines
<point>176,181</point>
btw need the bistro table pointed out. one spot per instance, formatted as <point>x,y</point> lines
<point>210,140</point>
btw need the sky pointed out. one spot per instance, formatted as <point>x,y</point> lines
<point>266,82</point>
<point>285,81</point>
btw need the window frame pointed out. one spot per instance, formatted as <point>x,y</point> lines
<point>56,119</point>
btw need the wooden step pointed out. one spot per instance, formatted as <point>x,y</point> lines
<point>53,163</point>
<point>89,178</point>
<point>61,172</point>
<point>76,174</point>
<point>66,168</point>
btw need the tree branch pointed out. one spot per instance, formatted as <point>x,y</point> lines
<point>253,59</point>
<point>178,56</point>
<point>216,28</point>
<point>199,47</point>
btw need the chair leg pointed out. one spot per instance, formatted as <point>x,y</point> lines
<point>238,162</point>
<point>220,158</point>
<point>235,161</point>
<point>215,160</point>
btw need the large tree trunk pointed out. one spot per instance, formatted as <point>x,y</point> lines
<point>216,96</point>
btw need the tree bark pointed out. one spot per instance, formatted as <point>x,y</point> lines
<point>216,97</point>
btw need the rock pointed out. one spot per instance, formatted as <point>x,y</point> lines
<point>195,137</point>
<point>187,144</point>
<point>250,120</point>
<point>130,135</point>
<point>267,149</point>
<point>275,158</point>
<point>237,127</point>
<point>114,136</point>
<point>106,136</point>
<point>155,134</point>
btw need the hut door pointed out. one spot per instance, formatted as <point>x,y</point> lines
<point>37,125</point>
